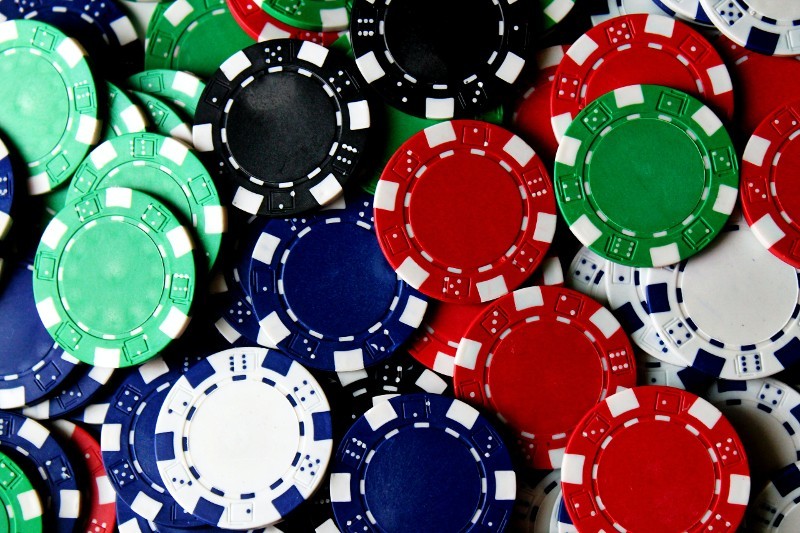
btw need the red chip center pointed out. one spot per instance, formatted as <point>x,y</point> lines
<point>787,179</point>
<point>655,477</point>
<point>466,211</point>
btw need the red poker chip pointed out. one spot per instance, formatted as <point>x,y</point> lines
<point>655,459</point>
<point>635,50</point>
<point>263,27</point>
<point>465,211</point>
<point>770,184</point>
<point>570,346</point>
<point>102,513</point>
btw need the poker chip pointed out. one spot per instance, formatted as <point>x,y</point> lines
<point>325,118</point>
<point>534,505</point>
<point>6,192</point>
<point>235,318</point>
<point>766,27</point>
<point>398,441</point>
<point>429,228</point>
<point>324,294</point>
<point>315,15</point>
<point>603,11</point>
<point>78,390</point>
<point>167,170</point>
<point>653,371</point>
<point>440,71</point>
<point>777,509</point>
<point>163,118</point>
<point>21,503</point>
<point>180,88</point>
<point>28,443</point>
<point>688,10</point>
<point>254,481</point>
<point>609,148</point>
<point>551,336</point>
<point>769,188</point>
<point>50,69</point>
<point>587,273</point>
<point>151,251</point>
<point>655,443</point>
<point>193,35</point>
<point>31,364</point>
<point>699,313</point>
<point>102,511</point>
<point>262,26</point>
<point>638,49</point>
<point>123,115</point>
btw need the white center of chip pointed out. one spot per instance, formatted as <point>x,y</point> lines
<point>244,436</point>
<point>776,9</point>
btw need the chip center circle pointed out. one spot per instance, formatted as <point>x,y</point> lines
<point>243,436</point>
<point>656,476</point>
<point>104,264</point>
<point>786,178</point>
<point>646,175</point>
<point>466,211</point>
<point>779,10</point>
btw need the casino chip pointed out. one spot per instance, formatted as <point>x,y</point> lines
<point>324,294</point>
<point>768,27</point>
<point>102,511</point>
<point>639,49</point>
<point>533,510</point>
<point>261,26</point>
<point>604,10</point>
<point>20,501</point>
<point>730,312</point>
<point>28,443</point>
<point>570,346</point>
<point>77,391</point>
<point>612,153</point>
<point>193,35</point>
<point>662,445</point>
<point>180,88</point>
<point>777,508</point>
<point>163,118</point>
<point>587,274</point>
<point>123,115</point>
<point>688,10</point>
<point>165,169</point>
<point>233,481</point>
<point>407,443</point>
<point>315,15</point>
<point>116,246</point>
<point>770,189</point>
<point>288,124</point>
<point>6,193</point>
<point>50,111</point>
<point>31,364</point>
<point>474,239</point>
<point>432,69</point>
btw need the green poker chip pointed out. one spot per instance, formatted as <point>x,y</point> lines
<point>20,502</point>
<point>195,36</point>
<point>49,112</point>
<point>123,115</point>
<point>114,277</point>
<point>163,168</point>
<point>314,15</point>
<point>646,176</point>
<point>180,88</point>
<point>163,118</point>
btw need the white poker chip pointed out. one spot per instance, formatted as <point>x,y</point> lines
<point>765,26</point>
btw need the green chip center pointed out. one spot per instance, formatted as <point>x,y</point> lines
<point>646,175</point>
<point>112,277</point>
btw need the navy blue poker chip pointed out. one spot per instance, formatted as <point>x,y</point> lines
<point>32,365</point>
<point>6,191</point>
<point>444,464</point>
<point>324,293</point>
<point>80,389</point>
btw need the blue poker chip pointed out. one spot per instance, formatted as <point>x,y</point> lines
<point>30,443</point>
<point>408,443</point>
<point>128,445</point>
<point>324,293</point>
<point>130,522</point>
<point>76,392</point>
<point>6,192</point>
<point>32,366</point>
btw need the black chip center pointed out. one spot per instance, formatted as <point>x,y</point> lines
<point>281,126</point>
<point>442,41</point>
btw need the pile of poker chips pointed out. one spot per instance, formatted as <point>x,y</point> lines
<point>294,266</point>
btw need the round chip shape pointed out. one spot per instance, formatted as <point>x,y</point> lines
<point>730,312</point>
<point>163,118</point>
<point>688,10</point>
<point>180,88</point>
<point>21,506</point>
<point>534,505</point>
<point>193,35</point>
<point>262,26</point>
<point>422,444</point>
<point>638,49</point>
<point>315,15</point>
<point>123,115</point>
<point>324,294</point>
<point>288,123</point>
<point>50,111</point>
<point>612,154</point>
<point>777,508</point>
<point>30,444</point>
<point>114,277</point>
<point>569,345</point>
<point>587,274</point>
<point>469,240</point>
<point>430,68</point>
<point>765,26</point>
<point>6,192</point>
<point>770,187</point>
<point>267,461</point>
<point>660,444</point>
<point>608,9</point>
<point>165,169</point>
